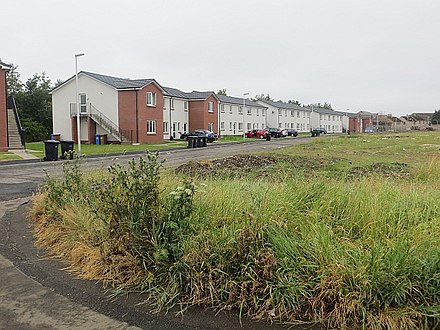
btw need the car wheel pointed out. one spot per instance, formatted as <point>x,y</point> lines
<point>261,137</point>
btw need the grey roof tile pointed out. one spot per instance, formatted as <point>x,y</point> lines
<point>287,106</point>
<point>119,83</point>
<point>239,101</point>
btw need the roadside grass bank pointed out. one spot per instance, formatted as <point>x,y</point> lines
<point>96,149</point>
<point>324,232</point>
<point>8,156</point>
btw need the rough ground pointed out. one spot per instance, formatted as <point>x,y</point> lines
<point>244,164</point>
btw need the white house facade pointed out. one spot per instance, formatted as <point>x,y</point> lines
<point>333,121</point>
<point>287,116</point>
<point>233,117</point>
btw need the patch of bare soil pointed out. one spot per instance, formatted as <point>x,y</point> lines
<point>246,164</point>
<point>397,170</point>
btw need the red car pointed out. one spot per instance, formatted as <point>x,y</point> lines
<point>256,133</point>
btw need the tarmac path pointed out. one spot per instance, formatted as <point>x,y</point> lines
<point>35,291</point>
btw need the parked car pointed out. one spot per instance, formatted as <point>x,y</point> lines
<point>256,133</point>
<point>200,132</point>
<point>275,132</point>
<point>319,130</point>
<point>291,132</point>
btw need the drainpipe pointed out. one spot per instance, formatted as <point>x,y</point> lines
<point>137,119</point>
<point>170,123</point>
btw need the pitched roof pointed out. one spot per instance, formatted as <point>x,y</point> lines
<point>119,83</point>
<point>174,92</point>
<point>239,101</point>
<point>196,95</point>
<point>287,106</point>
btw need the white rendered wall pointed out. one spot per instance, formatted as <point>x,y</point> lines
<point>179,117</point>
<point>103,97</point>
<point>233,120</point>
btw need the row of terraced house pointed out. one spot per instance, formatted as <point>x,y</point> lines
<point>142,110</point>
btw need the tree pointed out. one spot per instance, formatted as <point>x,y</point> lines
<point>294,102</point>
<point>222,92</point>
<point>324,105</point>
<point>436,118</point>
<point>13,83</point>
<point>262,97</point>
<point>34,103</point>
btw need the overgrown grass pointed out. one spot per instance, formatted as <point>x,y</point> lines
<point>303,241</point>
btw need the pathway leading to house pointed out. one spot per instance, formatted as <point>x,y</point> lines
<point>24,154</point>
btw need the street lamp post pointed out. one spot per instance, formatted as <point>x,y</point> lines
<point>244,105</point>
<point>78,114</point>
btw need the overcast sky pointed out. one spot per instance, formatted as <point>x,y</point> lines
<point>374,55</point>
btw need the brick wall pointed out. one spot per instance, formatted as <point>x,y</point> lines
<point>199,117</point>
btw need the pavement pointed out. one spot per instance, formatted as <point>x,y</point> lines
<point>37,293</point>
<point>24,154</point>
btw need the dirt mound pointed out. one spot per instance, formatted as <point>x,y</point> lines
<point>399,170</point>
<point>234,164</point>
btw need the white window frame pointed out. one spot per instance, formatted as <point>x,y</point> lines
<point>240,110</point>
<point>222,126</point>
<point>165,127</point>
<point>249,110</point>
<point>172,104</point>
<point>151,127</point>
<point>185,105</point>
<point>222,108</point>
<point>211,127</point>
<point>83,105</point>
<point>151,99</point>
<point>210,106</point>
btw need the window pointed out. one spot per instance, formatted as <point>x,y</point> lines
<point>297,114</point>
<point>297,125</point>
<point>165,127</point>
<point>151,99</point>
<point>292,113</point>
<point>230,109</point>
<point>83,103</point>
<point>185,127</point>
<point>171,104</point>
<point>151,127</point>
<point>211,126</point>
<point>264,112</point>
<point>292,125</point>
<point>279,113</point>
<point>285,113</point>
<point>210,106</point>
<point>222,108</point>
<point>258,112</point>
<point>185,105</point>
<point>280,125</point>
<point>240,110</point>
<point>222,126</point>
<point>304,114</point>
<point>249,110</point>
<point>240,126</point>
<point>249,126</point>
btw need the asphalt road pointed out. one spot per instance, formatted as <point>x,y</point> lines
<point>35,291</point>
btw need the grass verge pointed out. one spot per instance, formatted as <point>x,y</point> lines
<point>350,242</point>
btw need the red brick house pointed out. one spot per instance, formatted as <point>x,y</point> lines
<point>358,122</point>
<point>128,110</point>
